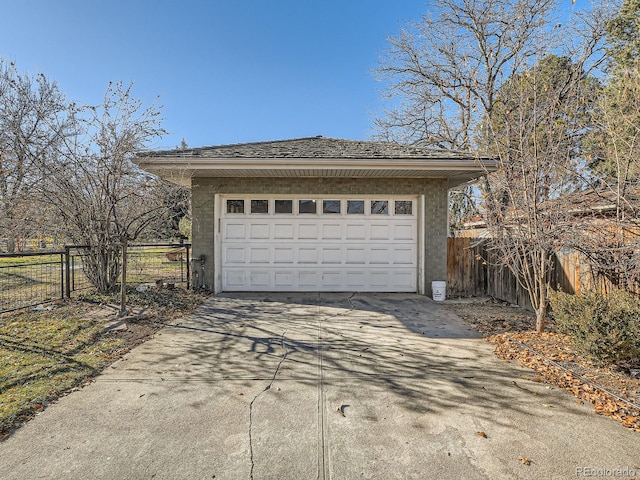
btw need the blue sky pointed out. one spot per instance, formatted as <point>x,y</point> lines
<point>226,71</point>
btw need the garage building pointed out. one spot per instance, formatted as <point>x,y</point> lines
<point>318,214</point>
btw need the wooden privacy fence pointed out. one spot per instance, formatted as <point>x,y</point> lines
<point>472,271</point>
<point>466,272</point>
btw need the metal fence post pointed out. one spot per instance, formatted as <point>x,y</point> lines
<point>62,265</point>
<point>186,247</point>
<point>67,257</point>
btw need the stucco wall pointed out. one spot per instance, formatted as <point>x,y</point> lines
<point>203,193</point>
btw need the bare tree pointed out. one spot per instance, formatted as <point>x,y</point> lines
<point>480,74</point>
<point>610,234</point>
<point>446,69</point>
<point>536,132</point>
<point>611,241</point>
<point>443,72</point>
<point>102,197</point>
<point>166,225</point>
<point>30,110</point>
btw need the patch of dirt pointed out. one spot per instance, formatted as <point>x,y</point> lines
<point>612,390</point>
<point>489,316</point>
<point>138,330</point>
<point>148,312</point>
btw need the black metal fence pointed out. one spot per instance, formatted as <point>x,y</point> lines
<point>30,279</point>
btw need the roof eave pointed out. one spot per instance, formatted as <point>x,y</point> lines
<point>296,163</point>
<point>181,169</point>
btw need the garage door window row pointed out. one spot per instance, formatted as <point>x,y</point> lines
<point>313,207</point>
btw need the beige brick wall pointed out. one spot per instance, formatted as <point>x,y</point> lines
<point>203,193</point>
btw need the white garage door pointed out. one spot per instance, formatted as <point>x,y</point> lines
<point>319,244</point>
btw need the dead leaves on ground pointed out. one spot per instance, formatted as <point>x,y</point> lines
<point>557,348</point>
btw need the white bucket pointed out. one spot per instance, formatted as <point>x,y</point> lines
<point>439,290</point>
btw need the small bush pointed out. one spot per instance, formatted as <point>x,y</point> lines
<point>605,328</point>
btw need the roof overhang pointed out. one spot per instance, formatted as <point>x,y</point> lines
<point>316,157</point>
<point>182,169</point>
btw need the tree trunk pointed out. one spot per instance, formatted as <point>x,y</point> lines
<point>123,281</point>
<point>541,311</point>
<point>101,264</point>
<point>541,316</point>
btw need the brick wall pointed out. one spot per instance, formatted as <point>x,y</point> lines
<point>435,222</point>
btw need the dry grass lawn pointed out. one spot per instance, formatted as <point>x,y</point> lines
<point>48,353</point>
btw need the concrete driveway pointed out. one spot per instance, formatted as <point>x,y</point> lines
<point>318,386</point>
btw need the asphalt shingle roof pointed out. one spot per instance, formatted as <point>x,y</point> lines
<point>315,147</point>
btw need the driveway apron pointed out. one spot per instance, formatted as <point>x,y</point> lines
<point>326,386</point>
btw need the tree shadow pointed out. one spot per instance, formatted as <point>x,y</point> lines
<point>415,351</point>
<point>65,361</point>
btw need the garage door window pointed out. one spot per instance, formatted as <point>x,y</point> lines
<point>379,207</point>
<point>235,206</point>
<point>355,207</point>
<point>259,206</point>
<point>403,207</point>
<point>284,206</point>
<point>331,206</point>
<point>307,206</point>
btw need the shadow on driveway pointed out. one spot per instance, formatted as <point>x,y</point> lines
<point>316,386</point>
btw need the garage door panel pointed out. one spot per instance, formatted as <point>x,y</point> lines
<point>379,278</point>
<point>332,280</point>
<point>259,280</point>
<point>403,256</point>
<point>283,231</point>
<point>308,231</point>
<point>356,280</point>
<point>307,255</point>
<point>308,279</point>
<point>356,232</point>
<point>380,232</point>
<point>283,255</point>
<point>259,231</point>
<point>234,255</point>
<point>234,279</point>
<point>403,280</point>
<point>379,255</point>
<point>331,231</point>
<point>284,280</point>
<point>356,255</point>
<point>259,255</point>
<point>235,231</point>
<point>331,255</point>
<point>404,232</point>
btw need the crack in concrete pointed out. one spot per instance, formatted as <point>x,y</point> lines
<point>323,466</point>
<point>353,307</point>
<point>275,373</point>
<point>324,453</point>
